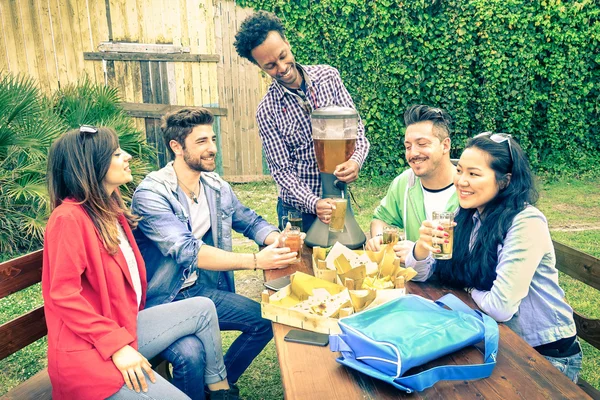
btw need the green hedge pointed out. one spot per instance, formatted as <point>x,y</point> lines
<point>530,68</point>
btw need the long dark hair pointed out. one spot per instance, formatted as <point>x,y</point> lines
<point>77,165</point>
<point>476,267</point>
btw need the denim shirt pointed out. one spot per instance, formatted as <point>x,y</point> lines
<point>164,234</point>
<point>525,294</point>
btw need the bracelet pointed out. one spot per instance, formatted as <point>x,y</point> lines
<point>255,261</point>
<point>379,234</point>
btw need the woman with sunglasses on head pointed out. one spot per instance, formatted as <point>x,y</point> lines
<point>502,250</point>
<point>100,337</point>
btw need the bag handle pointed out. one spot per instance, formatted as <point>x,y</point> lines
<point>426,379</point>
<point>454,303</point>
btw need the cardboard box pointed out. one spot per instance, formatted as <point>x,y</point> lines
<point>283,306</point>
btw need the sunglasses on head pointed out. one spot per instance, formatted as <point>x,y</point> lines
<point>87,129</point>
<point>499,138</point>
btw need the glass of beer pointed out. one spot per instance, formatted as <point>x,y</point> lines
<point>444,219</point>
<point>391,235</point>
<point>294,218</point>
<point>293,240</point>
<point>338,216</point>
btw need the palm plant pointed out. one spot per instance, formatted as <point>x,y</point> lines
<point>29,123</point>
<point>27,128</point>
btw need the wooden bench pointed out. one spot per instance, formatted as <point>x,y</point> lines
<point>15,275</point>
<point>586,269</point>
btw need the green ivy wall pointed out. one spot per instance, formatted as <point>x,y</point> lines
<point>529,68</point>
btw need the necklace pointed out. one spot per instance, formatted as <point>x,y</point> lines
<point>192,193</point>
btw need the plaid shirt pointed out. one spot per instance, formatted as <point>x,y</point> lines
<point>284,127</point>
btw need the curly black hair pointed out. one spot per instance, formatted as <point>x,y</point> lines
<point>253,32</point>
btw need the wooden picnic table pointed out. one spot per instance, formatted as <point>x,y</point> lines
<point>311,372</point>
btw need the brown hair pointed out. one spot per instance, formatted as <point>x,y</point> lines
<point>77,165</point>
<point>440,119</point>
<point>179,124</point>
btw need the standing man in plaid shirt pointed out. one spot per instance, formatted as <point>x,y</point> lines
<point>283,118</point>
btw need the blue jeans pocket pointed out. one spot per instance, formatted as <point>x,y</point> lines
<point>569,366</point>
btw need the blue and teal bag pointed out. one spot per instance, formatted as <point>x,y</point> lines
<point>407,332</point>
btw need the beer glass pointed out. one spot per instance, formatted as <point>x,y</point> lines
<point>338,215</point>
<point>445,219</point>
<point>294,218</point>
<point>391,235</point>
<point>293,240</point>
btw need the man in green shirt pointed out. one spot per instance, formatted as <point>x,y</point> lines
<point>427,186</point>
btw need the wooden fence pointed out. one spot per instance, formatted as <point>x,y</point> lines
<point>161,54</point>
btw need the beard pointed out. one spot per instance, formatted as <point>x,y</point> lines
<point>198,164</point>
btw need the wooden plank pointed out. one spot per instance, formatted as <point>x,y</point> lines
<point>164,82</point>
<point>188,80</point>
<point>221,85</point>
<point>238,147</point>
<point>100,31</point>
<point>125,21</point>
<point>144,110</point>
<point>22,331</point>
<point>49,47</point>
<point>14,38</point>
<point>195,27</point>
<point>228,98</point>
<point>72,46</point>
<point>194,58</point>
<point>145,47</point>
<point>20,273</point>
<point>589,389</point>
<point>85,38</point>
<point>588,329</point>
<point>37,387</point>
<point>155,83</point>
<point>59,43</point>
<point>4,61</point>
<point>34,45</point>
<point>577,264</point>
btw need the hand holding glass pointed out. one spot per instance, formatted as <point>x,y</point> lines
<point>292,238</point>
<point>338,215</point>
<point>391,235</point>
<point>446,221</point>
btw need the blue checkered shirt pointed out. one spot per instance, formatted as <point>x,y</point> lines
<point>284,127</point>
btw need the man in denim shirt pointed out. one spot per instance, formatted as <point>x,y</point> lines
<point>188,213</point>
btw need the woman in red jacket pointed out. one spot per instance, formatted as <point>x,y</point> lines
<point>94,284</point>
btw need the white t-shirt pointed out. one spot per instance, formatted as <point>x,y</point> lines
<point>436,200</point>
<point>200,220</point>
<point>125,247</point>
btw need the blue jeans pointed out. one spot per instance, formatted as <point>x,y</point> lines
<point>184,322</point>
<point>282,211</point>
<point>236,313</point>
<point>570,366</point>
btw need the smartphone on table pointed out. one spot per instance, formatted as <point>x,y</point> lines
<point>306,337</point>
<point>278,284</point>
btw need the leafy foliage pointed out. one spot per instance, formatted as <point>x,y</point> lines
<point>529,68</point>
<point>27,128</point>
<point>29,123</point>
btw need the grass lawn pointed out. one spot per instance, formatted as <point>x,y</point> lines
<point>572,208</point>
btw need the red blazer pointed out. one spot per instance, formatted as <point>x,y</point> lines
<point>90,305</point>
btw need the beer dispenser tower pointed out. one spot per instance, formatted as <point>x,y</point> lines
<point>334,131</point>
